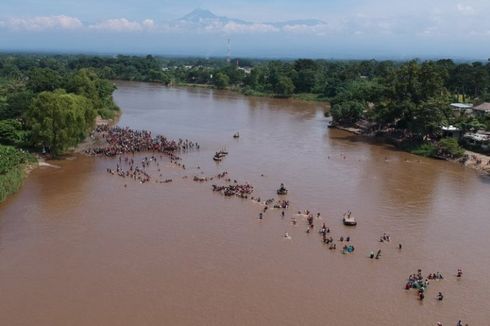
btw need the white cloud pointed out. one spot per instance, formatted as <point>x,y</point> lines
<point>465,9</point>
<point>451,18</point>
<point>318,29</point>
<point>41,23</point>
<point>124,25</point>
<point>233,27</point>
<point>148,24</point>
<point>118,25</point>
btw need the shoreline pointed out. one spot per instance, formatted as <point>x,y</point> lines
<point>476,161</point>
<point>24,170</point>
<point>13,179</point>
<point>90,141</point>
<point>306,97</point>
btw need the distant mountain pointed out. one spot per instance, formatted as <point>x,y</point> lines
<point>198,15</point>
<point>204,17</point>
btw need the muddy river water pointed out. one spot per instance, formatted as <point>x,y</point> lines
<point>79,248</point>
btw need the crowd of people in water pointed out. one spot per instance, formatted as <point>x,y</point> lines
<point>125,143</point>
<point>238,190</point>
<point>206,179</point>
<point>420,283</point>
<point>118,141</point>
<point>127,167</point>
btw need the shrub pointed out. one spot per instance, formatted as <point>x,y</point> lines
<point>427,150</point>
<point>449,147</point>
<point>12,162</point>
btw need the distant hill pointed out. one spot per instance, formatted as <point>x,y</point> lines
<point>206,17</point>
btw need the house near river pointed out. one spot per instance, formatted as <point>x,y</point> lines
<point>482,109</point>
<point>479,140</point>
<point>469,109</point>
<point>460,109</point>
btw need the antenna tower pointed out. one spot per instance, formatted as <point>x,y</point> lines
<point>228,51</point>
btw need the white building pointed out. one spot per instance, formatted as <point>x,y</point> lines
<point>461,108</point>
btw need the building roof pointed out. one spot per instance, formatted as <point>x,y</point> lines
<point>461,106</point>
<point>450,128</point>
<point>485,107</point>
<point>478,136</point>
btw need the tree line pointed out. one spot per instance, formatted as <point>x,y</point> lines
<point>407,100</point>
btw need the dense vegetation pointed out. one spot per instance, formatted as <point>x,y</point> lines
<point>45,106</point>
<point>12,164</point>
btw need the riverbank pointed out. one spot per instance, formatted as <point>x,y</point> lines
<point>473,160</point>
<point>92,141</point>
<point>307,97</point>
<point>476,161</point>
<point>15,164</point>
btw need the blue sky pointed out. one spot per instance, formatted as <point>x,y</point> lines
<point>342,29</point>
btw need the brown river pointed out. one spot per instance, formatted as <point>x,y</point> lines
<point>79,248</point>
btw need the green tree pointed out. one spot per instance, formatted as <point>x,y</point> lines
<point>99,91</point>
<point>59,120</point>
<point>44,79</point>
<point>11,133</point>
<point>158,76</point>
<point>427,118</point>
<point>407,83</point>
<point>284,87</point>
<point>221,80</point>
<point>17,104</point>
<point>470,124</point>
<point>347,112</point>
<point>305,78</point>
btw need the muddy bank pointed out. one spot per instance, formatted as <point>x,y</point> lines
<point>476,161</point>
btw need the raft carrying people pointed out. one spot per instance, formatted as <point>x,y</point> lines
<point>220,155</point>
<point>348,219</point>
<point>282,190</point>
